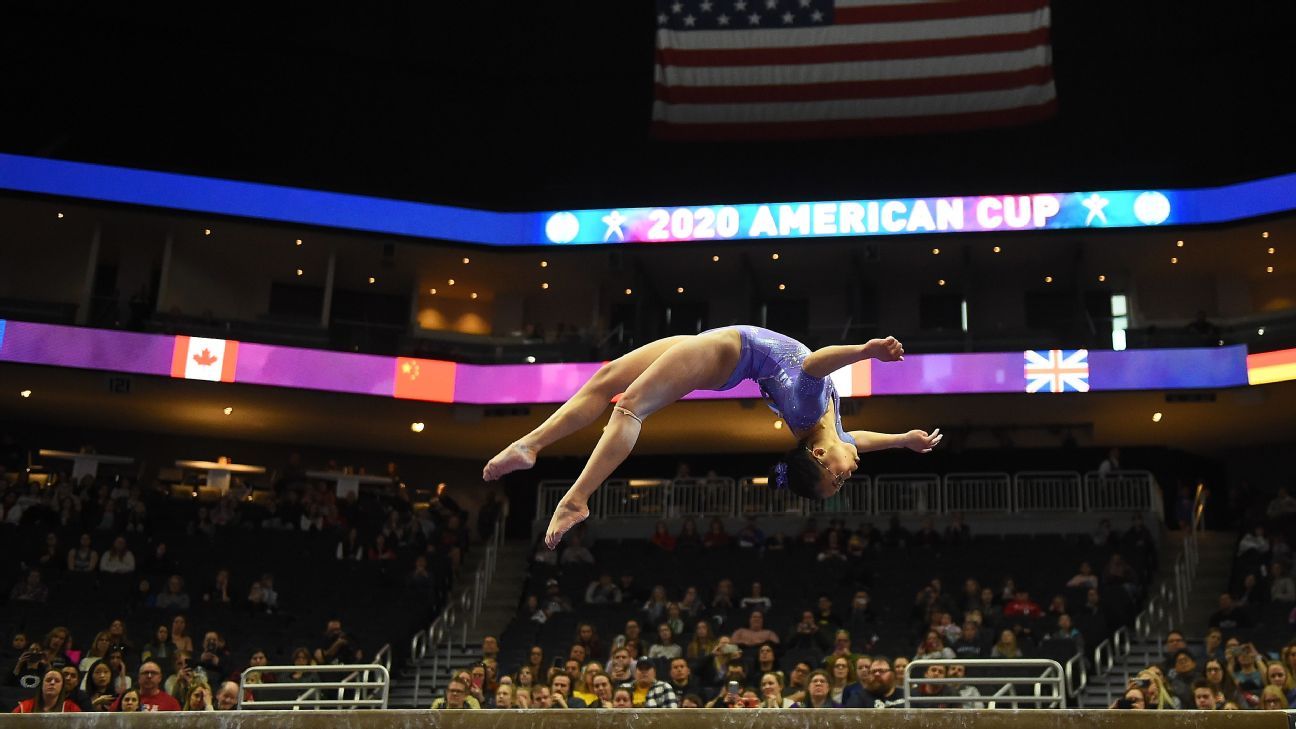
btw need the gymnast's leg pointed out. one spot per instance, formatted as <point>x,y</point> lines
<point>582,409</point>
<point>699,363</point>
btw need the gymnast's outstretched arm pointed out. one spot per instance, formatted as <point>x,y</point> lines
<point>915,440</point>
<point>824,362</point>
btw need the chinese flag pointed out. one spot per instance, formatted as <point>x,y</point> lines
<point>424,379</point>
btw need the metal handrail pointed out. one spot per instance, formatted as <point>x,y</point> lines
<point>1103,658</point>
<point>370,693</point>
<point>1076,665</point>
<point>1049,674</point>
<point>461,613</point>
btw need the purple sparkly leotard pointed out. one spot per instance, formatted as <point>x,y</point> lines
<point>773,362</point>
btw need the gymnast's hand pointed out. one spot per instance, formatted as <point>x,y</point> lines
<point>920,442</point>
<point>885,350</point>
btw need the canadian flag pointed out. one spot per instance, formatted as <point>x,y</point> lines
<point>199,358</point>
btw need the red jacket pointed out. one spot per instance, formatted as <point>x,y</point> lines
<point>26,706</point>
<point>160,701</point>
<point>1027,608</point>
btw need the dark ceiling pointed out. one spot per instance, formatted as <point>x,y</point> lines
<point>546,105</point>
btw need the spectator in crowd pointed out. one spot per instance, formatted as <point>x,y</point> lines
<point>654,609</point>
<point>151,695</point>
<point>350,548</point>
<point>930,691</point>
<point>1007,646</point>
<point>117,662</point>
<point>806,636</point>
<point>1281,586</point>
<point>456,696</point>
<point>1229,616</point>
<point>227,696</point>
<point>1155,691</point>
<point>766,660</point>
<point>771,693</point>
<point>1022,606</point>
<point>665,647</point>
<point>756,599</point>
<point>691,605</point>
<point>621,667</point>
<point>540,696</point>
<point>173,597</point>
<point>215,657</point>
<point>1065,630</point>
<point>824,615</point>
<point>631,640</point>
<point>601,684</point>
<point>1134,698</point>
<point>682,679</point>
<point>49,697</point>
<point>588,638</point>
<point>861,611</point>
<point>180,639</point>
<point>819,692</point>
<point>31,666</point>
<point>860,684</point>
<point>840,675</point>
<point>622,697</point>
<point>602,591</point>
<point>72,687</point>
<point>1272,698</point>
<point>970,643</point>
<point>504,697</point>
<point>83,558</point>
<point>702,643</point>
<point>1250,595</point>
<point>933,647</point>
<point>30,590</point>
<point>751,536</point>
<point>1084,578</point>
<point>1254,541</point>
<point>57,642</point>
<point>183,675</point>
<point>1281,505</point>
<point>1276,675</point>
<point>1204,697</point>
<point>958,671</point>
<point>755,633</point>
<point>554,600</point>
<point>337,646</point>
<point>98,650</point>
<point>576,552</point>
<point>98,685</point>
<point>560,693</point>
<point>716,536</point>
<point>1182,676</point>
<point>129,702</point>
<point>713,672</point>
<point>882,693</point>
<point>160,648</point>
<point>689,540</point>
<point>662,538</point>
<point>199,698</point>
<point>798,681</point>
<point>1216,673</point>
<point>118,560</point>
<point>301,659</point>
<point>1110,464</point>
<point>1247,667</point>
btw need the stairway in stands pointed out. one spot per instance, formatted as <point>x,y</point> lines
<point>497,610</point>
<point>1215,559</point>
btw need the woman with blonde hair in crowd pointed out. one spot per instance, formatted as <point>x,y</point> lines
<point>703,642</point>
<point>1154,688</point>
<point>1247,667</point>
<point>504,696</point>
<point>1007,646</point>
<point>98,650</point>
<point>1272,698</point>
<point>771,689</point>
<point>1276,675</point>
<point>199,698</point>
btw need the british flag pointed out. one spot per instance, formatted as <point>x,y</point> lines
<point>1057,370</point>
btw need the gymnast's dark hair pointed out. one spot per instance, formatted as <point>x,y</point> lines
<point>799,472</point>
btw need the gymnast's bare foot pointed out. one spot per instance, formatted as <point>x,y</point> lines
<point>516,457</point>
<point>567,515</point>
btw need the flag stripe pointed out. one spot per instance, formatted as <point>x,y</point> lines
<point>230,362</point>
<point>838,53</point>
<point>738,41</point>
<point>869,70</point>
<point>898,88</point>
<point>834,110</point>
<point>841,128</point>
<point>875,14</point>
<point>179,356</point>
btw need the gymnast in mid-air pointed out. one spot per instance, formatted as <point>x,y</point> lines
<point>793,379</point>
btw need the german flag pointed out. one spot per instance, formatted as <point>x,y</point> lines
<point>1268,367</point>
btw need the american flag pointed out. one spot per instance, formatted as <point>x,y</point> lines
<point>770,69</point>
<point>1057,370</point>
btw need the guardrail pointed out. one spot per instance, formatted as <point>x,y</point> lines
<point>1047,680</point>
<point>438,639</point>
<point>362,686</point>
<point>902,493</point>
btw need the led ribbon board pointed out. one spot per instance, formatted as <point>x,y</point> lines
<point>825,219</point>
<point>1036,372</point>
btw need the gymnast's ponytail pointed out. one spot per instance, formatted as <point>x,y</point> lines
<point>798,472</point>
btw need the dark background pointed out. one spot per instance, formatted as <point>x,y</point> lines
<point>546,105</point>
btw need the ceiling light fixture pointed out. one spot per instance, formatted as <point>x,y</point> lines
<point>467,260</point>
<point>61,216</point>
<point>1179,244</point>
<point>228,411</point>
<point>450,282</point>
<point>997,249</point>
<point>935,251</point>
<point>940,282</point>
<point>1101,278</point>
<point>1156,417</point>
<point>299,241</point>
<point>372,279</point>
<point>774,257</point>
<point>473,294</point>
<point>629,291</point>
<point>417,427</point>
<point>1264,234</point>
<point>544,264</point>
<point>782,287</point>
<point>544,285</point>
<point>778,425</point>
<point>25,393</point>
<point>1048,279</point>
<point>206,231</point>
<point>299,272</point>
<point>715,259</point>
<point>679,289</point>
<point>432,291</point>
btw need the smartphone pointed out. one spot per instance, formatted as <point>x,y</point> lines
<point>733,688</point>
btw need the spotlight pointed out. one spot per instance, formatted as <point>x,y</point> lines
<point>206,231</point>
<point>629,291</point>
<point>417,427</point>
<point>299,272</point>
<point>372,279</point>
<point>544,264</point>
<point>1048,279</point>
<point>778,425</point>
<point>1174,259</point>
<point>1262,235</point>
<point>299,241</point>
<point>997,249</point>
<point>432,291</point>
<point>715,259</point>
<point>228,411</point>
<point>1179,244</point>
<point>782,287</point>
<point>25,393</point>
<point>1101,278</point>
<point>774,257</point>
<point>450,282</point>
<point>940,282</point>
<point>60,215</point>
<point>1156,417</point>
<point>679,289</point>
<point>544,285</point>
<point>473,294</point>
<point>935,251</point>
<point>466,260</point>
